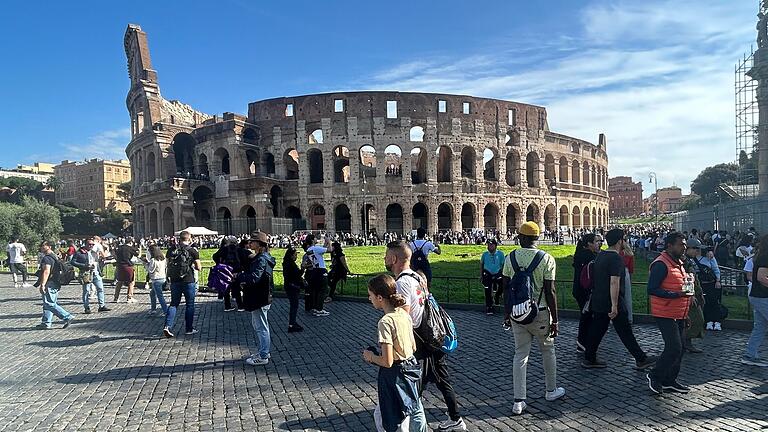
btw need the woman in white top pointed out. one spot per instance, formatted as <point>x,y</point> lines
<point>156,266</point>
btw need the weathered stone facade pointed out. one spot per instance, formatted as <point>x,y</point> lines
<point>438,161</point>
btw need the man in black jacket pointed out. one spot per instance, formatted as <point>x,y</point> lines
<point>85,261</point>
<point>258,286</point>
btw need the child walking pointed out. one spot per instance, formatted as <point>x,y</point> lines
<point>399,373</point>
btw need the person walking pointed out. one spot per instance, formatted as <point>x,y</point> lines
<point>48,285</point>
<point>434,365</point>
<point>586,250</point>
<point>258,286</point>
<point>16,252</point>
<point>608,304</point>
<point>757,272</point>
<point>294,283</point>
<point>399,403</point>
<point>544,327</point>
<point>420,250</point>
<point>183,260</point>
<point>124,271</point>
<point>228,257</point>
<point>316,273</point>
<point>670,289</point>
<point>156,266</point>
<point>339,270</point>
<point>695,330</point>
<point>709,277</point>
<point>88,265</point>
<point>491,263</point>
<point>628,255</point>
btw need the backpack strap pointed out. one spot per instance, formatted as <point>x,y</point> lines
<point>532,266</point>
<point>513,261</point>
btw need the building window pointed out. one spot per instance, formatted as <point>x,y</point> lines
<point>338,105</point>
<point>289,110</point>
<point>465,107</point>
<point>441,106</point>
<point>512,117</point>
<point>391,109</point>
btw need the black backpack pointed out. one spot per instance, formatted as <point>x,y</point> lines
<point>179,263</point>
<point>63,271</point>
<point>518,294</point>
<point>419,258</point>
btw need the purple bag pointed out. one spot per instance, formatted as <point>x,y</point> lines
<point>220,277</point>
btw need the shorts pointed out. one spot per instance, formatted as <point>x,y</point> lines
<point>124,273</point>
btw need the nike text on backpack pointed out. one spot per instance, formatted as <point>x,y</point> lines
<point>518,294</point>
<point>179,263</point>
<point>419,258</point>
<point>437,330</point>
<point>220,277</point>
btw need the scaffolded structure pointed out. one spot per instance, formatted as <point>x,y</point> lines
<point>747,121</point>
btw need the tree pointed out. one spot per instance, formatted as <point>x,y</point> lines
<point>706,183</point>
<point>24,187</point>
<point>54,183</point>
<point>32,221</point>
<point>124,191</point>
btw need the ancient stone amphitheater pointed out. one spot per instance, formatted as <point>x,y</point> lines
<point>355,162</point>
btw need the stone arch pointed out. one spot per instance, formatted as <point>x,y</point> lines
<point>342,218</point>
<point>512,165</point>
<point>223,213</point>
<point>202,197</point>
<point>416,134</point>
<point>468,158</point>
<point>269,164</point>
<point>315,137</point>
<point>250,136</point>
<point>532,169</point>
<point>393,161</point>
<point>369,217</point>
<point>203,166</point>
<point>183,146</point>
<point>564,214</point>
<point>585,175</point>
<point>586,221</point>
<point>291,163</point>
<point>276,200</point>
<point>444,164</point>
<point>249,214</point>
<point>221,158</point>
<point>576,217</point>
<point>420,214</point>
<point>315,165</point>
<point>151,174</point>
<point>153,223</point>
<point>167,222</point>
<point>575,172</point>
<point>367,154</point>
<point>594,219</point>
<point>549,167</point>
<point>252,158</point>
<point>550,217</point>
<point>490,217</point>
<point>532,213</point>
<point>418,165</point>
<point>563,169</point>
<point>341,165</point>
<point>317,217</point>
<point>512,217</point>
<point>292,212</point>
<point>444,217</point>
<point>490,165</point>
<point>467,216</point>
<point>394,218</point>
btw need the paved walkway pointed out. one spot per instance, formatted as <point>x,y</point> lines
<point>112,371</point>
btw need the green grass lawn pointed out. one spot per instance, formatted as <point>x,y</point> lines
<point>457,276</point>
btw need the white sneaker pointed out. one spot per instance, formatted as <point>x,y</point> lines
<point>256,361</point>
<point>131,300</point>
<point>26,285</point>
<point>453,425</point>
<point>554,394</point>
<point>718,327</point>
<point>710,326</point>
<point>519,407</point>
<point>322,313</point>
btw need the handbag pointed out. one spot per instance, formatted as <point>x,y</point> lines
<point>86,276</point>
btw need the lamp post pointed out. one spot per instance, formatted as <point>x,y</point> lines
<point>653,178</point>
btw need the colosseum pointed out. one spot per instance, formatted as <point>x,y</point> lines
<point>354,162</point>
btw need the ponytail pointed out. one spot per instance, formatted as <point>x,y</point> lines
<point>384,285</point>
<point>397,300</point>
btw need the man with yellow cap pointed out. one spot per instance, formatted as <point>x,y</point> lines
<point>544,326</point>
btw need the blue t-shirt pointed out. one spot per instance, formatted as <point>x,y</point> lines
<point>492,263</point>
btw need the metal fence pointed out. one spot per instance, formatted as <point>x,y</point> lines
<point>732,216</point>
<point>248,225</point>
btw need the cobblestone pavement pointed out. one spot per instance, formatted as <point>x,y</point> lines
<point>113,371</point>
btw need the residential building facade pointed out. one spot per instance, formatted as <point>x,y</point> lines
<point>93,184</point>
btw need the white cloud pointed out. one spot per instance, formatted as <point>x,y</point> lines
<point>109,144</point>
<point>655,76</point>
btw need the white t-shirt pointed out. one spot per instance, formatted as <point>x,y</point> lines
<point>16,253</point>
<point>748,267</point>
<point>426,246</point>
<point>316,255</point>
<point>410,288</point>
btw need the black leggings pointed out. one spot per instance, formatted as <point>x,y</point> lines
<point>292,291</point>
<point>713,297</point>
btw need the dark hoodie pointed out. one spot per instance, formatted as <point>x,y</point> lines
<point>580,259</point>
<point>258,282</point>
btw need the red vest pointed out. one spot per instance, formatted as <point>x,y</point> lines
<point>676,308</point>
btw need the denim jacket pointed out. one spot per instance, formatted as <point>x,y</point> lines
<point>398,392</point>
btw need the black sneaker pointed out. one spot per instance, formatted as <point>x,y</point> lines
<point>676,387</point>
<point>42,326</point>
<point>580,347</point>
<point>649,361</point>
<point>295,328</point>
<point>597,364</point>
<point>67,322</point>
<point>104,309</point>
<point>167,332</point>
<point>87,311</point>
<point>654,385</point>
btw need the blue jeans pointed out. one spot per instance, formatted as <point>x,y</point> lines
<point>51,306</point>
<point>188,290</point>
<point>156,295</point>
<point>260,324</point>
<point>99,284</point>
<point>759,326</point>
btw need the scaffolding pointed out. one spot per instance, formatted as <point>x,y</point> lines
<point>747,120</point>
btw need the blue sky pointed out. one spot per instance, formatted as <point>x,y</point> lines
<point>656,76</point>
